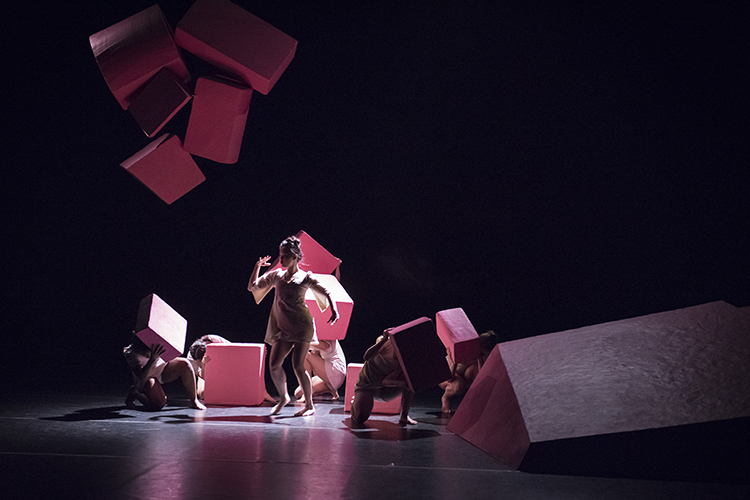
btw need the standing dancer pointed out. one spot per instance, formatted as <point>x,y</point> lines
<point>290,326</point>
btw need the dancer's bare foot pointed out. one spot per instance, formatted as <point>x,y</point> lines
<point>407,421</point>
<point>283,401</point>
<point>305,412</point>
<point>197,405</point>
<point>300,399</point>
<point>446,406</point>
<point>130,398</point>
<point>334,395</point>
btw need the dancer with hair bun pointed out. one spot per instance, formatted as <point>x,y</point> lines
<point>290,325</point>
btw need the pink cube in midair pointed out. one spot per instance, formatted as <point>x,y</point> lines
<point>458,335</point>
<point>217,119</point>
<point>158,101</point>
<point>158,323</point>
<point>132,51</point>
<point>165,168</point>
<point>344,305</point>
<point>237,42</point>
<point>234,374</point>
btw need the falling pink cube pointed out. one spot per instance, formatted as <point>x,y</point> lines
<point>344,304</point>
<point>392,407</point>
<point>132,51</point>
<point>158,323</point>
<point>315,258</point>
<point>234,374</point>
<point>217,119</point>
<point>158,101</point>
<point>237,42</point>
<point>458,335</point>
<point>489,416</point>
<point>165,168</point>
<point>421,354</point>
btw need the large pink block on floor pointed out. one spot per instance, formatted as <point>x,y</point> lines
<point>392,407</point>
<point>458,335</point>
<point>315,258</point>
<point>217,119</point>
<point>130,52</point>
<point>421,354</point>
<point>165,168</point>
<point>236,41</point>
<point>235,374</point>
<point>158,101</point>
<point>344,305</point>
<point>158,323</point>
<point>489,416</point>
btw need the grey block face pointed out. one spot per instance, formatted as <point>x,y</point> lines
<point>667,369</point>
<point>421,354</point>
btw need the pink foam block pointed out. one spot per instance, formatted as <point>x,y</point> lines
<point>165,168</point>
<point>158,101</point>
<point>158,323</point>
<point>234,374</point>
<point>458,335</point>
<point>489,416</point>
<point>217,119</point>
<point>392,407</point>
<point>344,304</point>
<point>130,52</point>
<point>421,354</point>
<point>315,258</point>
<point>237,42</point>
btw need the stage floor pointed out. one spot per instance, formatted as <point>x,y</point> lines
<point>91,446</point>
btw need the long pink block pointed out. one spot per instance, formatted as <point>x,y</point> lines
<point>458,335</point>
<point>130,52</point>
<point>674,368</point>
<point>234,374</point>
<point>344,304</point>
<point>315,258</point>
<point>489,416</point>
<point>165,168</point>
<point>158,101</point>
<point>158,323</point>
<point>392,407</point>
<point>421,354</point>
<point>217,119</point>
<point>237,42</point>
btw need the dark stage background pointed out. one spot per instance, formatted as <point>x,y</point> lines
<point>543,165</point>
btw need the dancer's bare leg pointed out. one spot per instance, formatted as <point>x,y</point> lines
<point>298,394</point>
<point>406,398</point>
<point>182,368</point>
<point>279,351</point>
<point>298,362</point>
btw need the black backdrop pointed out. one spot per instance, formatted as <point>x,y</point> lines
<point>544,166</point>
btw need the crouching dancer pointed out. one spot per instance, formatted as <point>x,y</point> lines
<point>381,378</point>
<point>150,372</point>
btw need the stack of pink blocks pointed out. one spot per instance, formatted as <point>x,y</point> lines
<point>140,61</point>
